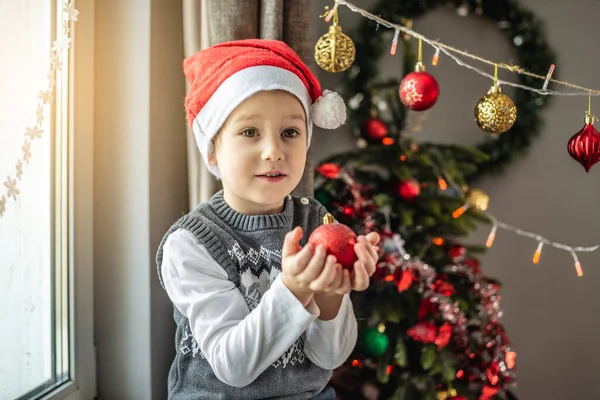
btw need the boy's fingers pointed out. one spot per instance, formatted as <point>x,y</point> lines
<point>291,242</point>
<point>346,285</point>
<point>361,279</point>
<point>362,251</point>
<point>373,238</point>
<point>367,255</point>
<point>302,258</point>
<point>327,276</point>
<point>337,282</point>
<point>315,265</point>
<point>373,251</point>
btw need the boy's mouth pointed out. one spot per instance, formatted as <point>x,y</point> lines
<point>272,176</point>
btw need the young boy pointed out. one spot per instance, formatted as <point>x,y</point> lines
<point>258,316</point>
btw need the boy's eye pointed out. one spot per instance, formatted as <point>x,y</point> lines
<point>249,132</point>
<point>290,133</point>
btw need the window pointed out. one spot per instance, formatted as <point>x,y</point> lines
<point>37,285</point>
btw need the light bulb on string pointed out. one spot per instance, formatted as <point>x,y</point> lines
<point>460,211</point>
<point>577,264</point>
<point>436,57</point>
<point>443,185</point>
<point>538,253</point>
<point>491,237</point>
<point>395,42</point>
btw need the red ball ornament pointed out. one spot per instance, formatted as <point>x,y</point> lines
<point>338,239</point>
<point>349,211</point>
<point>456,252</point>
<point>374,129</point>
<point>419,90</point>
<point>409,190</point>
<point>584,146</point>
<point>329,170</point>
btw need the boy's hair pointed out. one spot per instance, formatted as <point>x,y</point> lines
<point>221,77</point>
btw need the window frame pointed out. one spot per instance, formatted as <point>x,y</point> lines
<point>73,228</point>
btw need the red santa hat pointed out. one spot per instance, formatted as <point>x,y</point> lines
<point>221,77</point>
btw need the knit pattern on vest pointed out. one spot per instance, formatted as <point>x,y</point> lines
<point>249,250</point>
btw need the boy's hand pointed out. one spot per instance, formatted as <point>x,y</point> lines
<point>365,266</point>
<point>301,266</point>
<point>333,279</point>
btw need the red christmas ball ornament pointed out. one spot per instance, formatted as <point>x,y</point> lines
<point>584,146</point>
<point>409,190</point>
<point>338,239</point>
<point>374,129</point>
<point>456,252</point>
<point>419,90</point>
<point>349,211</point>
<point>329,170</point>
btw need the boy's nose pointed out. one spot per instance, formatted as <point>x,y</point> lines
<point>272,151</point>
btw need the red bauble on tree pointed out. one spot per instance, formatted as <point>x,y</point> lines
<point>329,170</point>
<point>584,146</point>
<point>457,252</point>
<point>374,129</point>
<point>409,190</point>
<point>419,90</point>
<point>338,239</point>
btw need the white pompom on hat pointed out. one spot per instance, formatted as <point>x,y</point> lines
<point>221,77</point>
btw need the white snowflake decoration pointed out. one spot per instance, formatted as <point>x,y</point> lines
<point>11,186</point>
<point>33,133</point>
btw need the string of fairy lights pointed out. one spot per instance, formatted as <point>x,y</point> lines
<point>478,200</point>
<point>450,51</point>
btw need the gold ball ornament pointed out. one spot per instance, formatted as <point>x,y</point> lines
<point>495,112</point>
<point>335,51</point>
<point>478,199</point>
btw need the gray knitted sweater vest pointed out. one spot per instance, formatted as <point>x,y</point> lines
<point>248,248</point>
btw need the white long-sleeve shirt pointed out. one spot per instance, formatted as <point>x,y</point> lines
<point>240,344</point>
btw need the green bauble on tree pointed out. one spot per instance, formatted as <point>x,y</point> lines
<point>373,342</point>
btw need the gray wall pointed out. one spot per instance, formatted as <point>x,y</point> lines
<point>551,315</point>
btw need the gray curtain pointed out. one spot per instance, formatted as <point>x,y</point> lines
<point>287,20</point>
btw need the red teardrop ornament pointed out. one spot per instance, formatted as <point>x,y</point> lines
<point>584,146</point>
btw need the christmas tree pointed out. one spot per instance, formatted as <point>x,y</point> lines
<point>430,323</point>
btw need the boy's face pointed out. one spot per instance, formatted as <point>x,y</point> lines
<point>261,152</point>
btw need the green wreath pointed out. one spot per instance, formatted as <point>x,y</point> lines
<point>520,26</point>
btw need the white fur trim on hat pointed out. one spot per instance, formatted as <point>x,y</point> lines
<point>233,91</point>
<point>329,111</point>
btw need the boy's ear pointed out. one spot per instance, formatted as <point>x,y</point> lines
<point>212,156</point>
